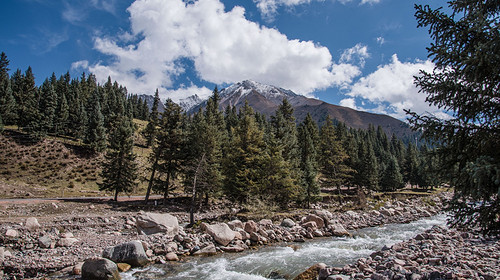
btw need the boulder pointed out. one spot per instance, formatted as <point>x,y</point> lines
<point>310,224</point>
<point>221,233</point>
<point>32,224</point>
<point>311,273</point>
<point>131,252</point>
<point>2,255</point>
<point>123,267</point>
<point>66,242</point>
<point>172,257</point>
<point>235,224</point>
<point>287,223</point>
<point>251,226</point>
<point>207,250</point>
<point>100,269</point>
<point>233,249</point>
<point>339,230</point>
<point>315,218</point>
<point>11,233</point>
<point>266,223</point>
<point>151,223</point>
<point>45,241</point>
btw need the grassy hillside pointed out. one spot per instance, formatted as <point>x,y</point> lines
<point>55,167</point>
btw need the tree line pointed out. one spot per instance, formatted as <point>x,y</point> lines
<point>243,155</point>
<point>78,108</point>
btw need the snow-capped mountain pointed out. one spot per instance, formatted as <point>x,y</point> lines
<point>189,102</point>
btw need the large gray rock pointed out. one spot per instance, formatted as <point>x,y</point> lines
<point>67,242</point>
<point>221,233</point>
<point>32,224</point>
<point>2,257</point>
<point>315,218</point>
<point>234,224</point>
<point>251,226</point>
<point>131,252</point>
<point>45,241</point>
<point>338,229</point>
<point>287,223</point>
<point>207,250</point>
<point>100,269</point>
<point>151,223</point>
<point>11,233</point>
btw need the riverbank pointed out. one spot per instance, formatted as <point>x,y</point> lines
<point>438,253</point>
<point>60,243</point>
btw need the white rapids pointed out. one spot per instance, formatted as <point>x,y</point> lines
<point>283,262</point>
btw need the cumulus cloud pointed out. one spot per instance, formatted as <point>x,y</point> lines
<point>349,102</point>
<point>391,89</point>
<point>357,54</point>
<point>224,47</point>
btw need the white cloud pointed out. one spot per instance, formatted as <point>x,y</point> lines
<point>224,46</point>
<point>76,12</point>
<point>349,102</point>
<point>357,54</point>
<point>392,90</point>
<point>183,92</point>
<point>268,8</point>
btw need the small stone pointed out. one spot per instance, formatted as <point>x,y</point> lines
<point>32,224</point>
<point>44,241</point>
<point>66,242</point>
<point>12,233</point>
<point>287,223</point>
<point>172,257</point>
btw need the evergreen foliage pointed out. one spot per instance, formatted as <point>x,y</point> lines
<point>465,83</point>
<point>151,129</point>
<point>95,134</point>
<point>119,170</point>
<point>309,141</point>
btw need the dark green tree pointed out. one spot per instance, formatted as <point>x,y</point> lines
<point>151,129</point>
<point>332,158</point>
<point>119,169</point>
<point>7,101</point>
<point>169,147</point>
<point>391,178</point>
<point>47,107</point>
<point>243,163</point>
<point>95,132</point>
<point>465,83</point>
<point>308,143</point>
<point>411,174</point>
<point>26,94</point>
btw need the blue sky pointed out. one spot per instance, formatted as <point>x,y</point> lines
<point>357,53</point>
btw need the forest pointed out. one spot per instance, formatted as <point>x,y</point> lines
<point>236,153</point>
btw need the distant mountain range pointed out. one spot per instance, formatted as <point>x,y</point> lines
<point>265,99</point>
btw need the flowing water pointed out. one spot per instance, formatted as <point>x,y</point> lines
<point>284,262</point>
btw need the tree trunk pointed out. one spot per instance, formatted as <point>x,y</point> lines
<point>165,195</point>
<point>150,185</point>
<point>116,195</point>
<point>193,198</point>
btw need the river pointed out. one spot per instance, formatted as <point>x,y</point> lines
<point>285,262</point>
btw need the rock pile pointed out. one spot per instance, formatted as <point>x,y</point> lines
<point>439,253</point>
<point>34,249</point>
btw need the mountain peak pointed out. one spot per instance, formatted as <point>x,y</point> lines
<point>247,87</point>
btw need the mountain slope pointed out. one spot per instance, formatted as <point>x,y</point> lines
<point>265,99</point>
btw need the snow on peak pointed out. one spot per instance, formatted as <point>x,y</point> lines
<point>248,86</point>
<point>189,102</point>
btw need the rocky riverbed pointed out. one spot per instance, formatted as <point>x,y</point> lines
<point>36,247</point>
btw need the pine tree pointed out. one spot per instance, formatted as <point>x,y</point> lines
<point>332,158</point>
<point>47,107</point>
<point>27,100</point>
<point>465,84</point>
<point>7,101</point>
<point>169,148</point>
<point>243,164</point>
<point>95,133</point>
<point>151,129</point>
<point>308,141</point>
<point>367,170</point>
<point>119,170</point>
<point>392,178</point>
<point>411,175</point>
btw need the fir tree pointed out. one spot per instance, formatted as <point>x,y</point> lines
<point>7,101</point>
<point>119,170</point>
<point>27,100</point>
<point>95,133</point>
<point>392,178</point>
<point>151,129</point>
<point>47,107</point>
<point>243,164</point>
<point>332,158</point>
<point>170,142</point>
<point>465,84</point>
<point>308,141</point>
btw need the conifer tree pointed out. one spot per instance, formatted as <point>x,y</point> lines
<point>465,84</point>
<point>332,158</point>
<point>411,165</point>
<point>392,178</point>
<point>243,164</point>
<point>367,171</point>
<point>7,101</point>
<point>151,129</point>
<point>27,101</point>
<point>119,170</point>
<point>170,142</point>
<point>308,141</point>
<point>95,133</point>
<point>47,107</point>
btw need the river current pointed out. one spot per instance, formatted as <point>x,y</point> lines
<point>285,261</point>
